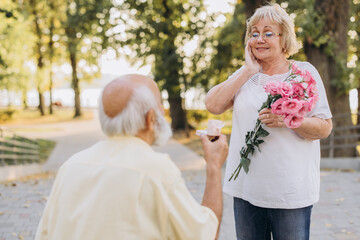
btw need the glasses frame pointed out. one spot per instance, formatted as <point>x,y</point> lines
<point>263,36</point>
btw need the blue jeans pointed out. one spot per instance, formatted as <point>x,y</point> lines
<point>257,223</point>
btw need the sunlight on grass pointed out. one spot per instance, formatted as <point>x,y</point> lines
<point>33,116</point>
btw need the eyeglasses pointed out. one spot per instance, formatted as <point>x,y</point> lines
<point>264,35</point>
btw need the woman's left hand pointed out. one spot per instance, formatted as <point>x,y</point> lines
<point>270,119</point>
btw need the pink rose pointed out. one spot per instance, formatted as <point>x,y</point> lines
<point>285,90</point>
<point>295,70</point>
<point>272,88</point>
<point>312,102</point>
<point>308,78</point>
<point>304,109</point>
<point>291,106</point>
<point>292,121</point>
<point>298,90</point>
<point>311,90</point>
<point>276,107</point>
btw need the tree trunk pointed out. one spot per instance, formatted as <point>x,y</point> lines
<point>24,100</point>
<point>51,54</point>
<point>336,13</point>
<point>50,91</point>
<point>75,84</point>
<point>167,67</point>
<point>40,56</point>
<point>177,113</point>
<point>358,109</point>
<point>41,106</point>
<point>252,5</point>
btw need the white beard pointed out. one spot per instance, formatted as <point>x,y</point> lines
<point>162,130</point>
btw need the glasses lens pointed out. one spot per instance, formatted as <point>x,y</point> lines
<point>255,35</point>
<point>269,34</point>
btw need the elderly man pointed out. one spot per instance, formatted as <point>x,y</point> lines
<point>120,188</point>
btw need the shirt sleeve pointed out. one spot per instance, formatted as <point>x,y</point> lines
<point>187,219</point>
<point>321,109</point>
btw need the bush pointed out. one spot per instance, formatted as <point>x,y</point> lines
<point>6,115</point>
<point>197,116</point>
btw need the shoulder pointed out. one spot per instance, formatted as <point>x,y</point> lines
<point>306,66</point>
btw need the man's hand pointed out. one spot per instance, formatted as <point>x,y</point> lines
<point>215,152</point>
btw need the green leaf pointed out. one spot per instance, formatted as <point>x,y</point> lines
<point>245,163</point>
<point>261,132</point>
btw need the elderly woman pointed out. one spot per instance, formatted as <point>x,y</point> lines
<point>277,194</point>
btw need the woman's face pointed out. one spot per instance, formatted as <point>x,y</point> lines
<point>265,41</point>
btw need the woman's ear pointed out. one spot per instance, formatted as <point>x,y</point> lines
<point>150,119</point>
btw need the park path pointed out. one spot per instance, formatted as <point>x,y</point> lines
<point>336,216</point>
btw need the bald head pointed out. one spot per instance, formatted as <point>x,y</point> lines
<point>118,92</point>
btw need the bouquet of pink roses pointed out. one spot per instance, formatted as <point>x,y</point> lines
<point>292,99</point>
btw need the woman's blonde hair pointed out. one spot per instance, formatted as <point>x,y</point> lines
<point>277,15</point>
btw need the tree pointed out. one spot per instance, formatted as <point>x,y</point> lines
<point>51,48</point>
<point>354,50</point>
<point>157,31</point>
<point>324,29</point>
<point>16,43</point>
<point>87,25</point>
<point>252,5</point>
<point>229,42</point>
<point>229,47</point>
<point>38,9</point>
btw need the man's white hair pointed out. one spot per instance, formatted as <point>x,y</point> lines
<point>132,118</point>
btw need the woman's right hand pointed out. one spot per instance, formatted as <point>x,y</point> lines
<point>251,62</point>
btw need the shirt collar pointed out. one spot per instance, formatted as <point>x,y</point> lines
<point>130,139</point>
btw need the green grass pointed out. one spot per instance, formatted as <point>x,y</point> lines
<point>32,116</point>
<point>45,148</point>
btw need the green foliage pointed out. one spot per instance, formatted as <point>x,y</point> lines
<point>197,116</point>
<point>7,13</point>
<point>16,43</point>
<point>354,44</point>
<point>314,30</point>
<point>228,44</point>
<point>156,32</point>
<point>6,115</point>
<point>45,148</point>
<point>310,24</point>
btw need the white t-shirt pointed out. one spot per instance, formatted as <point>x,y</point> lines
<point>286,173</point>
